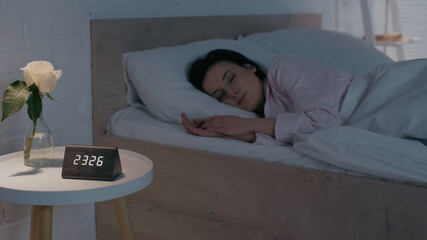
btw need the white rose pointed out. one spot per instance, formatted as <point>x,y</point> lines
<point>42,74</point>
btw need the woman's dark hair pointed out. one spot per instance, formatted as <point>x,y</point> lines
<point>201,66</point>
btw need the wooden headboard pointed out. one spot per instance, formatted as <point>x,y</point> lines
<point>113,37</point>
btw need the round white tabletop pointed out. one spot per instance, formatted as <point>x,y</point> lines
<point>45,186</point>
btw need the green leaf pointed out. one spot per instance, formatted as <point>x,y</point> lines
<point>49,96</point>
<point>14,98</point>
<point>34,103</point>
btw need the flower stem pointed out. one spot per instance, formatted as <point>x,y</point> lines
<point>30,142</point>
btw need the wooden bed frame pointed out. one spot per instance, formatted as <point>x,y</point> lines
<point>203,195</point>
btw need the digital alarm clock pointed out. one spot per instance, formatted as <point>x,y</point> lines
<point>91,162</point>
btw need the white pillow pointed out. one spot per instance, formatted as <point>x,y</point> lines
<point>335,49</point>
<point>158,78</point>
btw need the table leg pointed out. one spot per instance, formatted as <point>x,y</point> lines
<point>41,223</point>
<point>123,219</point>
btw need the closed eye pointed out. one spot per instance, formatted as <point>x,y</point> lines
<point>218,95</point>
<point>230,77</point>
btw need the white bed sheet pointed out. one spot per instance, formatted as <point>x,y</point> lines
<point>136,123</point>
<point>335,150</point>
<point>369,152</point>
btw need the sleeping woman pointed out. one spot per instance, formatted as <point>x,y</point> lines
<point>295,95</point>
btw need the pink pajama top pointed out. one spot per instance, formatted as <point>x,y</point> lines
<point>303,96</point>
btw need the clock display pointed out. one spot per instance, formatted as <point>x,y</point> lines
<point>91,162</point>
<point>88,160</point>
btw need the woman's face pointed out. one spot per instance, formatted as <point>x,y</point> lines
<point>235,85</point>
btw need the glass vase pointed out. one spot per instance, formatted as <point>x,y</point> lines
<point>38,144</point>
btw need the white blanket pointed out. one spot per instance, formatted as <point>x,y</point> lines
<point>379,111</point>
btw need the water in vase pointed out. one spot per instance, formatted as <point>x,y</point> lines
<point>41,154</point>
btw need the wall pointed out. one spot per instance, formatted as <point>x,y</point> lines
<point>412,18</point>
<point>58,31</point>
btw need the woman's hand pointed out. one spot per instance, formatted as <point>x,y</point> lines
<point>198,129</point>
<point>237,126</point>
<point>227,125</point>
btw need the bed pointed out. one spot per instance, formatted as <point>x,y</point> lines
<point>221,189</point>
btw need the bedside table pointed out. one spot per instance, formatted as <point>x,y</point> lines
<point>44,187</point>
